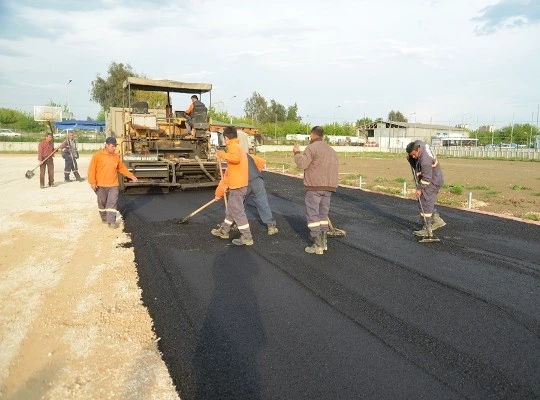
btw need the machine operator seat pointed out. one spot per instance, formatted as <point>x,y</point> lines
<point>199,118</point>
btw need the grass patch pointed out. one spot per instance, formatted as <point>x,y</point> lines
<point>384,189</point>
<point>380,179</point>
<point>449,202</point>
<point>531,216</point>
<point>400,180</point>
<point>456,189</point>
<point>479,187</point>
<point>518,187</point>
<point>536,194</point>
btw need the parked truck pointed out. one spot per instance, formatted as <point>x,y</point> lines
<point>154,144</point>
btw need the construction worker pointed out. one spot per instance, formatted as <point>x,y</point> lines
<point>235,180</point>
<point>103,178</point>
<point>195,102</point>
<point>70,154</point>
<point>320,165</point>
<point>256,188</point>
<point>46,152</point>
<point>429,179</point>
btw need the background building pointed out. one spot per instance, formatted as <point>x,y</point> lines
<point>392,134</point>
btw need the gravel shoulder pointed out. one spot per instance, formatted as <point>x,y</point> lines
<point>72,323</point>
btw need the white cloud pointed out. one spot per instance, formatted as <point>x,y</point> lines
<point>367,57</point>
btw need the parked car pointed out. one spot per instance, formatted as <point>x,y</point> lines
<point>8,132</point>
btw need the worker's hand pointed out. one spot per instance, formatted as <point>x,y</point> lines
<point>219,154</point>
<point>41,163</point>
<point>134,179</point>
<point>296,148</point>
<point>418,193</point>
<point>217,198</point>
<point>93,186</point>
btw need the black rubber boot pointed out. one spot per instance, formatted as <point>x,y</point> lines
<point>66,178</point>
<point>77,176</point>
<point>316,247</point>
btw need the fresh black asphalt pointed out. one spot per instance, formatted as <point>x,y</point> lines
<point>379,316</point>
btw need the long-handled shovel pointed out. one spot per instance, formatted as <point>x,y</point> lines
<point>184,220</point>
<point>335,232</point>
<point>30,173</point>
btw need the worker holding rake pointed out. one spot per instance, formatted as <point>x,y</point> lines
<point>429,179</point>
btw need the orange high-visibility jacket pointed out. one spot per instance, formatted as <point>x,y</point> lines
<point>104,168</point>
<point>224,182</point>
<point>236,175</point>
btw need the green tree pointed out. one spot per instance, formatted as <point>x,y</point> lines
<point>256,108</point>
<point>276,112</point>
<point>396,116</point>
<point>363,122</point>
<point>108,92</point>
<point>292,113</point>
<point>100,116</point>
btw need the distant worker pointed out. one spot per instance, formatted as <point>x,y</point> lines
<point>103,178</point>
<point>46,152</point>
<point>320,165</point>
<point>70,154</point>
<point>429,179</point>
<point>235,180</point>
<point>195,102</point>
<point>256,188</point>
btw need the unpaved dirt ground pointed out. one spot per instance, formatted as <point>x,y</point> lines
<point>509,188</point>
<point>72,324</point>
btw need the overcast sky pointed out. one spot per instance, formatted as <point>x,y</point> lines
<point>451,61</point>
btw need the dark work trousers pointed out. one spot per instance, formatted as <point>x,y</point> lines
<point>236,212</point>
<point>317,207</point>
<point>49,164</point>
<point>107,198</point>
<point>69,164</point>
<point>428,198</point>
<point>257,192</point>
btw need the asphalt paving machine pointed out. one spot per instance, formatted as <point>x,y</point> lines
<point>155,145</point>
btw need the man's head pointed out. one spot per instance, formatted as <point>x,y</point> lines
<point>110,144</point>
<point>413,149</point>
<point>230,132</point>
<point>194,98</point>
<point>70,135</point>
<point>48,137</point>
<point>317,133</point>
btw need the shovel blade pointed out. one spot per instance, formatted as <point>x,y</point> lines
<point>429,239</point>
<point>336,233</point>
<point>29,174</point>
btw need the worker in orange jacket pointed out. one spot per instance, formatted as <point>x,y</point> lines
<point>103,178</point>
<point>236,182</point>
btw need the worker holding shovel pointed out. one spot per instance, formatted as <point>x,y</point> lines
<point>46,152</point>
<point>236,181</point>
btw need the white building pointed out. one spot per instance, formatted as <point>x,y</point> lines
<point>392,134</point>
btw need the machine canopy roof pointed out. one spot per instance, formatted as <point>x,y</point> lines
<point>166,85</point>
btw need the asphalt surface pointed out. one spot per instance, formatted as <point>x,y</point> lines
<point>379,316</point>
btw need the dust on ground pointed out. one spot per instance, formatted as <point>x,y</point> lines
<point>72,324</point>
<point>510,188</point>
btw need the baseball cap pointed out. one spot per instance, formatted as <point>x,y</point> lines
<point>110,140</point>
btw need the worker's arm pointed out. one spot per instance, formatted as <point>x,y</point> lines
<point>222,186</point>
